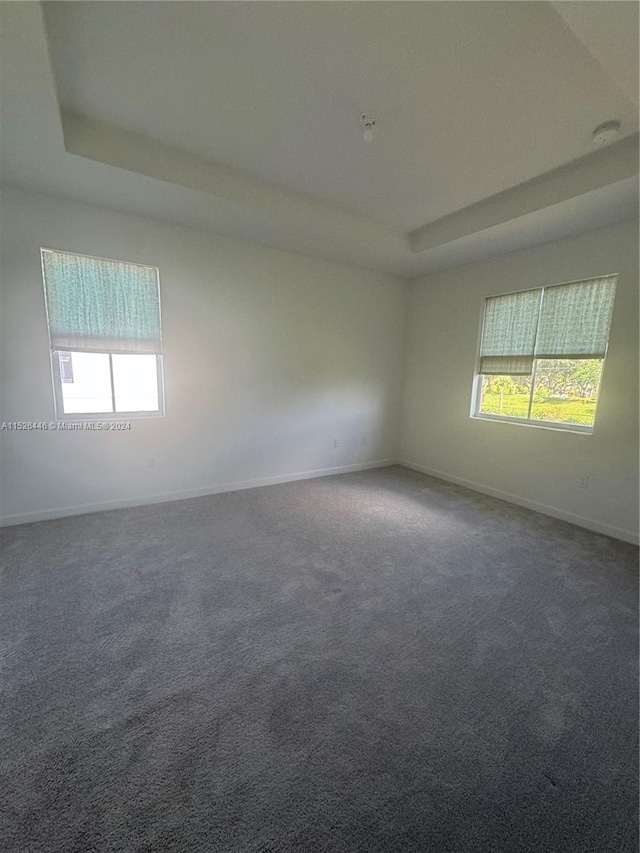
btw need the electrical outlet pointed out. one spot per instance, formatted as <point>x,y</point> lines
<point>583,481</point>
<point>151,463</point>
<point>336,442</point>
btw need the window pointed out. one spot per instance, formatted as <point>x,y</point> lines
<point>105,336</point>
<point>542,352</point>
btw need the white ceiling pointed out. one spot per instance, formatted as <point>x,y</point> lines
<point>242,117</point>
<point>611,36</point>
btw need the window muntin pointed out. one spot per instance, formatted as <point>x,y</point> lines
<point>105,336</point>
<point>542,353</point>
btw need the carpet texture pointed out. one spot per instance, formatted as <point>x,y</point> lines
<point>370,662</point>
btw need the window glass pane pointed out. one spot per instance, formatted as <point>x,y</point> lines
<point>135,381</point>
<point>86,385</point>
<point>566,390</point>
<point>505,395</point>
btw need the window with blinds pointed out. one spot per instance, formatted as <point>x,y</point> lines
<point>542,352</point>
<point>105,336</point>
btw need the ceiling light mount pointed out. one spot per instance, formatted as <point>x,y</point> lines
<point>606,132</point>
<point>368,125</point>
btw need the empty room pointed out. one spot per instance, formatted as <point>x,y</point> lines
<point>319,427</point>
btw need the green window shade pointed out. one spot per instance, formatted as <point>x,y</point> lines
<point>509,333</point>
<point>575,319</point>
<point>505,365</point>
<point>97,304</point>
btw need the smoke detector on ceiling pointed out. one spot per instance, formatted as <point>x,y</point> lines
<point>368,125</point>
<point>606,132</point>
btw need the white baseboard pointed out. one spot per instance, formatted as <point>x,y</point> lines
<point>591,524</point>
<point>123,503</point>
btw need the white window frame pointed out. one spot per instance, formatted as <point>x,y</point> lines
<point>476,389</point>
<point>58,401</point>
<point>56,378</point>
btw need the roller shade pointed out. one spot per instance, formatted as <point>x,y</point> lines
<point>95,304</point>
<point>575,319</point>
<point>562,321</point>
<point>509,333</point>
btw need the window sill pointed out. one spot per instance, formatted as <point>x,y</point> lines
<point>554,426</point>
<point>108,417</point>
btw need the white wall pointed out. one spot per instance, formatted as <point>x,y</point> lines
<point>269,357</point>
<point>536,467</point>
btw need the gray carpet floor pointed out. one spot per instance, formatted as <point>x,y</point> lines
<point>376,661</point>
